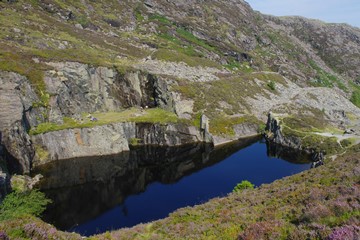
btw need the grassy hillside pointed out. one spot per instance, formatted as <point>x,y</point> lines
<point>119,33</point>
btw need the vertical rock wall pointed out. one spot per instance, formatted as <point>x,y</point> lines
<point>110,139</point>
<point>76,88</point>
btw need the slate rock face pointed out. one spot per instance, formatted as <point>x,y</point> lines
<point>16,98</point>
<point>111,139</point>
<point>76,88</point>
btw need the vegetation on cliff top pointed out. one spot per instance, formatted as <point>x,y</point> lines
<point>309,132</point>
<point>154,115</point>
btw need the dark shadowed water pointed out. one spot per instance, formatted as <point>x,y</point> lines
<point>93,195</point>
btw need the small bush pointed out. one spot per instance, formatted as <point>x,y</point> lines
<point>134,141</point>
<point>245,184</point>
<point>346,142</point>
<point>261,128</point>
<point>18,204</point>
<point>344,232</point>
<point>271,85</point>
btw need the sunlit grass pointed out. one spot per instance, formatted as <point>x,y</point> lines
<point>155,115</point>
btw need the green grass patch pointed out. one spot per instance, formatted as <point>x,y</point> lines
<point>42,154</point>
<point>155,115</point>
<point>325,79</point>
<point>173,43</point>
<point>160,18</point>
<point>134,141</point>
<point>317,142</point>
<point>355,98</point>
<point>13,61</point>
<point>225,125</point>
<point>188,36</point>
<point>305,123</point>
<point>225,96</point>
<point>241,67</point>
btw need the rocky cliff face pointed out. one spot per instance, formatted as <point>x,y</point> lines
<point>75,88</point>
<point>110,139</point>
<point>274,133</point>
<point>16,98</point>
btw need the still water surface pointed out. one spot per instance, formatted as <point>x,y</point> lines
<point>95,195</point>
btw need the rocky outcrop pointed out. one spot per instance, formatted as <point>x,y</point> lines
<point>180,70</point>
<point>75,88</point>
<point>275,135</point>
<point>204,129</point>
<point>243,130</point>
<point>110,139</point>
<point>16,104</point>
<point>72,89</point>
<point>19,149</point>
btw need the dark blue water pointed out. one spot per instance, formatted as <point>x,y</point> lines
<point>159,199</point>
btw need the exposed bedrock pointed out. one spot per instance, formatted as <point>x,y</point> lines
<point>110,139</point>
<point>16,104</point>
<point>276,138</point>
<point>75,88</point>
<point>72,89</point>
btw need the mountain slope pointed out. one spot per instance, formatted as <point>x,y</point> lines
<point>218,58</point>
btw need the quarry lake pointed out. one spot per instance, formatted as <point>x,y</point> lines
<point>97,194</point>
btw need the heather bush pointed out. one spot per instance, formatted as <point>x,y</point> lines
<point>3,236</point>
<point>34,230</point>
<point>262,230</point>
<point>345,233</point>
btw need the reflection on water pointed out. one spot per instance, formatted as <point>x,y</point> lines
<point>287,153</point>
<point>92,195</point>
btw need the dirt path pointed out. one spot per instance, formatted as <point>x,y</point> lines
<point>341,137</point>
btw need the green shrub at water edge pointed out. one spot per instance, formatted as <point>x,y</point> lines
<point>245,184</point>
<point>18,204</point>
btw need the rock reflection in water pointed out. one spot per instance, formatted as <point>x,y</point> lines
<point>83,188</point>
<point>288,154</point>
